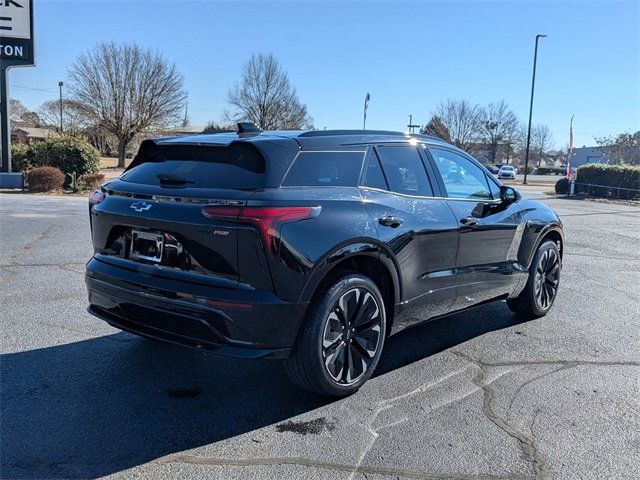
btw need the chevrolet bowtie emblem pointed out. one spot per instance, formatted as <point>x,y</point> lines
<point>141,206</point>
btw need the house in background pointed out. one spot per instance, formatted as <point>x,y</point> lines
<point>29,135</point>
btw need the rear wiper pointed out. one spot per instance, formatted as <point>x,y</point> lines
<point>170,179</point>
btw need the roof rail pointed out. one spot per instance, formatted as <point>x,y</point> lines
<point>327,133</point>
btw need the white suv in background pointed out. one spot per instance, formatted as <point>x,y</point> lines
<point>507,171</point>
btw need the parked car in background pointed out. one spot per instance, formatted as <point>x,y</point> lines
<point>493,169</point>
<point>311,246</point>
<point>507,171</point>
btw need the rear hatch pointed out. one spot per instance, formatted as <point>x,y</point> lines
<point>153,214</point>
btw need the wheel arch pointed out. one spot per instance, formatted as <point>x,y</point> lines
<point>368,259</point>
<point>552,232</point>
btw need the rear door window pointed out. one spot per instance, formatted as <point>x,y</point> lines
<point>238,166</point>
<point>372,175</point>
<point>404,170</point>
<point>325,169</point>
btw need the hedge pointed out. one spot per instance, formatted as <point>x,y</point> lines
<point>604,180</point>
<point>69,154</point>
<point>550,171</point>
<point>21,157</point>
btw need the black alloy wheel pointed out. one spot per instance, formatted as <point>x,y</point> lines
<point>339,346</point>
<point>352,336</point>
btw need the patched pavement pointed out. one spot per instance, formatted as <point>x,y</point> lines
<point>476,395</point>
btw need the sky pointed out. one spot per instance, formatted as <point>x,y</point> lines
<point>409,56</point>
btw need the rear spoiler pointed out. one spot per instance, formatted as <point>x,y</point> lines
<point>236,151</point>
<point>147,147</point>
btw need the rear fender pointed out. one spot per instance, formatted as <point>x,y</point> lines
<point>332,259</point>
<point>535,232</point>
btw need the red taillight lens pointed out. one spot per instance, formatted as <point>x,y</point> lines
<point>96,197</point>
<point>266,219</point>
<point>221,213</point>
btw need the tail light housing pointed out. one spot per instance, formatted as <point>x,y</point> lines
<point>96,197</point>
<point>265,219</point>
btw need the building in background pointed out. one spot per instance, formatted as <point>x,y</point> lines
<point>584,155</point>
<point>29,135</point>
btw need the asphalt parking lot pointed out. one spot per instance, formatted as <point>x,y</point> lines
<point>476,395</point>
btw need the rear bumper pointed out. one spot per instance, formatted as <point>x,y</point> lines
<point>242,323</point>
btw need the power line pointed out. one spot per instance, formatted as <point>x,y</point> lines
<point>32,88</point>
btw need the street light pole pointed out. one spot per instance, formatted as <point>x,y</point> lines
<point>533,84</point>
<point>60,84</point>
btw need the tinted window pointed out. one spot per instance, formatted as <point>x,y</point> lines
<point>373,176</point>
<point>462,178</point>
<point>238,167</point>
<point>404,170</point>
<point>325,169</point>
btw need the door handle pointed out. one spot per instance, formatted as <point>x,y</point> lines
<point>390,221</point>
<point>469,221</point>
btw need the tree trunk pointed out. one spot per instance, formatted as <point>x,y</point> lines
<point>122,150</point>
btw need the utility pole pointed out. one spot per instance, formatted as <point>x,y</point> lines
<point>411,126</point>
<point>60,85</point>
<point>533,84</point>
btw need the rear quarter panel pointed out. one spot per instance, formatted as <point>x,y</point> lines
<point>307,249</point>
<point>540,220</point>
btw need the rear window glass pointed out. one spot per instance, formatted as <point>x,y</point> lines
<point>325,169</point>
<point>238,167</point>
<point>404,170</point>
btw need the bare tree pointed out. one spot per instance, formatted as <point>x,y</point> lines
<point>75,117</point>
<point>20,114</point>
<point>127,89</point>
<point>541,140</point>
<point>463,121</point>
<point>266,97</point>
<point>499,127</point>
<point>621,149</point>
<point>436,128</point>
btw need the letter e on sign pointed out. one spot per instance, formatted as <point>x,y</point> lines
<point>15,19</point>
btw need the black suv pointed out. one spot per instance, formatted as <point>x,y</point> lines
<point>311,246</point>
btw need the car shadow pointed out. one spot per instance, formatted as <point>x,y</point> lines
<point>103,405</point>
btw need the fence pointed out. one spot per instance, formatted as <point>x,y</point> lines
<point>606,191</point>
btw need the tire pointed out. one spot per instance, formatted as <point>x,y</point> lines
<point>344,326</point>
<point>542,284</point>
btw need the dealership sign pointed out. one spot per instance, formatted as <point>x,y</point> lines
<point>16,50</point>
<point>16,32</point>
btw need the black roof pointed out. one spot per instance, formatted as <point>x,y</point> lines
<point>305,138</point>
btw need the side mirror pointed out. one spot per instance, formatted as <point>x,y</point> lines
<point>509,194</point>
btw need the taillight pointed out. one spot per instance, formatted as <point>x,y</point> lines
<point>96,197</point>
<point>266,219</point>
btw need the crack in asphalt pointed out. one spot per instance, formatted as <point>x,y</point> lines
<point>600,256</point>
<point>587,214</point>
<point>305,462</point>
<point>525,441</point>
<point>41,236</point>
<point>386,404</point>
<point>520,363</point>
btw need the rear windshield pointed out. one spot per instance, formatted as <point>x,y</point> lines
<point>325,169</point>
<point>238,166</point>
